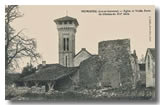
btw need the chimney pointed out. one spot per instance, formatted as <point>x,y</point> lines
<point>43,63</point>
<point>83,48</point>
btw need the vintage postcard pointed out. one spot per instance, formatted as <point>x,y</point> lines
<point>80,53</point>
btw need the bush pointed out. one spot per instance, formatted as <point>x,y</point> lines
<point>93,94</point>
<point>9,92</point>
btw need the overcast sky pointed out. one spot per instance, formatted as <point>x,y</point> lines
<point>38,22</point>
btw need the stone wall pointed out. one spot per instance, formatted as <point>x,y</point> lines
<point>89,74</point>
<point>115,55</point>
<point>110,68</point>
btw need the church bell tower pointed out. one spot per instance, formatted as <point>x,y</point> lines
<point>66,27</point>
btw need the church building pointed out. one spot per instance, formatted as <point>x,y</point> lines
<point>113,66</point>
<point>67,28</point>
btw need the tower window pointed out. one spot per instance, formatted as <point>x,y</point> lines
<point>148,62</point>
<point>70,22</point>
<point>60,22</point>
<point>65,22</point>
<point>66,61</point>
<point>64,41</point>
<point>67,44</point>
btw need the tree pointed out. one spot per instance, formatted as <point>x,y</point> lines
<point>29,69</point>
<point>17,45</point>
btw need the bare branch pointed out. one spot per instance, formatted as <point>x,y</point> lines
<point>16,35</point>
<point>17,46</point>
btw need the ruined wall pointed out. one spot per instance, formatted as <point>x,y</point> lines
<point>89,72</point>
<point>115,55</point>
<point>110,78</point>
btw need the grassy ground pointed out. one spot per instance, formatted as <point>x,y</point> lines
<point>87,95</point>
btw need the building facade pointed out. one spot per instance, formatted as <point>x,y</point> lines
<point>67,27</point>
<point>81,56</point>
<point>142,74</point>
<point>116,68</point>
<point>135,69</point>
<point>150,67</point>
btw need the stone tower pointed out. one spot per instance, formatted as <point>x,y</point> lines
<point>66,30</point>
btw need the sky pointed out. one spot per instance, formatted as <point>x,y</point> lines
<point>93,28</point>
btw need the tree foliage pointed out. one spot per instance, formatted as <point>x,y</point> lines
<point>17,45</point>
<point>29,69</point>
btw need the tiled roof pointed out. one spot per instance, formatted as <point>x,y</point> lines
<point>66,18</point>
<point>83,49</point>
<point>153,53</point>
<point>12,77</point>
<point>52,72</point>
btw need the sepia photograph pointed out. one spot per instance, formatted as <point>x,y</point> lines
<point>80,53</point>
